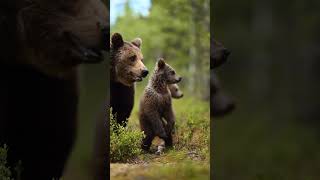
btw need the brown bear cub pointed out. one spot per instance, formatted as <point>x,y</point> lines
<point>126,68</point>
<point>175,91</point>
<point>156,106</point>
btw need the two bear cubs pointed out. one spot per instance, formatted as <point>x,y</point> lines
<point>156,113</point>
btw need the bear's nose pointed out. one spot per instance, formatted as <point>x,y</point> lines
<point>144,73</point>
<point>180,78</point>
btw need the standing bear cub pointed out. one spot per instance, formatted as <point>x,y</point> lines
<point>155,105</point>
<point>126,68</point>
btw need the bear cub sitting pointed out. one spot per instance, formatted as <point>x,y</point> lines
<point>156,106</point>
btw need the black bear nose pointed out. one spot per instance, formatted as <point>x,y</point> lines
<point>180,78</point>
<point>145,73</point>
<point>181,95</point>
<point>226,52</point>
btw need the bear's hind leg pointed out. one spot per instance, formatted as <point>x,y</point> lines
<point>147,140</point>
<point>170,118</point>
<point>168,141</point>
<point>158,128</point>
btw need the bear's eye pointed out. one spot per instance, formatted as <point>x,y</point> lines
<point>172,72</point>
<point>132,58</point>
<point>176,90</point>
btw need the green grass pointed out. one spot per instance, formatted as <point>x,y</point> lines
<point>186,170</point>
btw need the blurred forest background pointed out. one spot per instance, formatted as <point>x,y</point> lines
<point>177,30</point>
<point>273,73</point>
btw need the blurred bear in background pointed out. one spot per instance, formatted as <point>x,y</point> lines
<point>218,55</point>
<point>43,43</point>
<point>220,103</point>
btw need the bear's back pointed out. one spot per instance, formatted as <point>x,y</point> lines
<point>154,101</point>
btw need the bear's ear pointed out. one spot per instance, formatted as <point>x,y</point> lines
<point>161,63</point>
<point>137,42</point>
<point>116,40</point>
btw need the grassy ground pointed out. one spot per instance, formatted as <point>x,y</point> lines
<point>189,159</point>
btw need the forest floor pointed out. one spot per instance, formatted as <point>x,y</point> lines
<point>188,159</point>
<point>171,165</point>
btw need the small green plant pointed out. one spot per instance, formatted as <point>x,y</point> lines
<point>5,173</point>
<point>193,129</point>
<point>125,143</point>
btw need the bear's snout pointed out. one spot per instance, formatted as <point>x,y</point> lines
<point>144,73</point>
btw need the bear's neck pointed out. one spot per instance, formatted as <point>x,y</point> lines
<point>159,84</point>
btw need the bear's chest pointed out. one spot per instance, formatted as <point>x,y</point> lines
<point>164,102</point>
<point>121,97</point>
<point>166,99</point>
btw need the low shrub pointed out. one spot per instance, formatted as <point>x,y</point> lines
<point>5,173</point>
<point>125,143</point>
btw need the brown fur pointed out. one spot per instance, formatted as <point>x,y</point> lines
<point>155,105</point>
<point>39,90</point>
<point>126,68</point>
<point>175,91</point>
<point>126,60</point>
<point>75,28</point>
